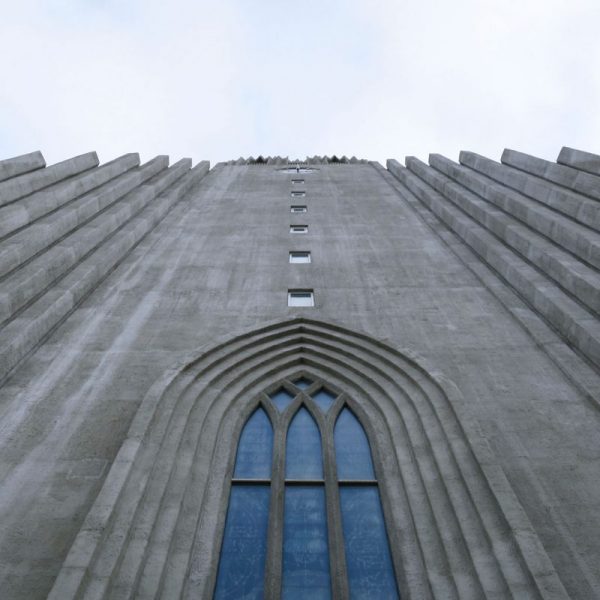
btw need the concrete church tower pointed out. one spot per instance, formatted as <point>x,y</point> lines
<point>300,380</point>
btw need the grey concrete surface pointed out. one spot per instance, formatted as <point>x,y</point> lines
<point>580,208</point>
<point>584,161</point>
<point>574,237</point>
<point>18,187</point>
<point>572,178</point>
<point>11,167</point>
<point>577,325</point>
<point>214,261</point>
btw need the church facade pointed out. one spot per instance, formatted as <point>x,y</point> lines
<point>300,379</point>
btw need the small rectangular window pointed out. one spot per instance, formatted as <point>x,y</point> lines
<point>300,257</point>
<point>297,181</point>
<point>301,298</point>
<point>298,228</point>
<point>298,193</point>
<point>298,208</point>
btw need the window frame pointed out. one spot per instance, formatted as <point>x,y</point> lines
<point>309,294</point>
<point>306,253</point>
<point>326,421</point>
<point>298,229</point>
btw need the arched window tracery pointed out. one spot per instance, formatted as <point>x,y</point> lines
<point>304,502</point>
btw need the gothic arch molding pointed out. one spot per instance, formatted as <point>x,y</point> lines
<point>455,526</point>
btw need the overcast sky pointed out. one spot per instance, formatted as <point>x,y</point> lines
<point>227,78</point>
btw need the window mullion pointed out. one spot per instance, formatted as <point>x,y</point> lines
<point>273,569</point>
<point>337,555</point>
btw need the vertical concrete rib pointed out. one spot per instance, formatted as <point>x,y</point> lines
<point>578,279</point>
<point>568,234</point>
<point>573,179</point>
<point>26,210</point>
<point>579,208</point>
<point>12,167</point>
<point>576,324</point>
<point>25,283</point>
<point>21,246</point>
<point>17,187</point>
<point>22,334</point>
<point>584,161</point>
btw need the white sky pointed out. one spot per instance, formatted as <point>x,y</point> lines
<point>228,78</point>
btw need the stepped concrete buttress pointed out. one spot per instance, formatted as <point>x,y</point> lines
<point>143,309</point>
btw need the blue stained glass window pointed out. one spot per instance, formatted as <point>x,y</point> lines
<point>368,560</point>
<point>281,399</point>
<point>242,564</point>
<point>352,448</point>
<point>255,450</point>
<point>303,383</point>
<point>303,459</point>
<point>305,546</point>
<point>324,399</point>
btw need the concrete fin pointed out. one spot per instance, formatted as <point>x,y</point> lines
<point>577,239</point>
<point>578,326</point>
<point>578,159</point>
<point>47,230</point>
<point>19,165</point>
<point>27,210</point>
<point>568,177</point>
<point>23,185</point>
<point>579,208</point>
<point>582,282</point>
<point>91,253</point>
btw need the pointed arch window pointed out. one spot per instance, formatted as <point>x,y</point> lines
<point>305,518</point>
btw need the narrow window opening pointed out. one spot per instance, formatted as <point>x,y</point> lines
<point>244,552</point>
<point>298,193</point>
<point>300,257</point>
<point>298,208</point>
<point>301,298</point>
<point>297,181</point>
<point>298,228</point>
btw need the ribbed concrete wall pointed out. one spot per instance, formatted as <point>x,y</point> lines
<point>534,222</point>
<point>143,309</point>
<point>63,228</point>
